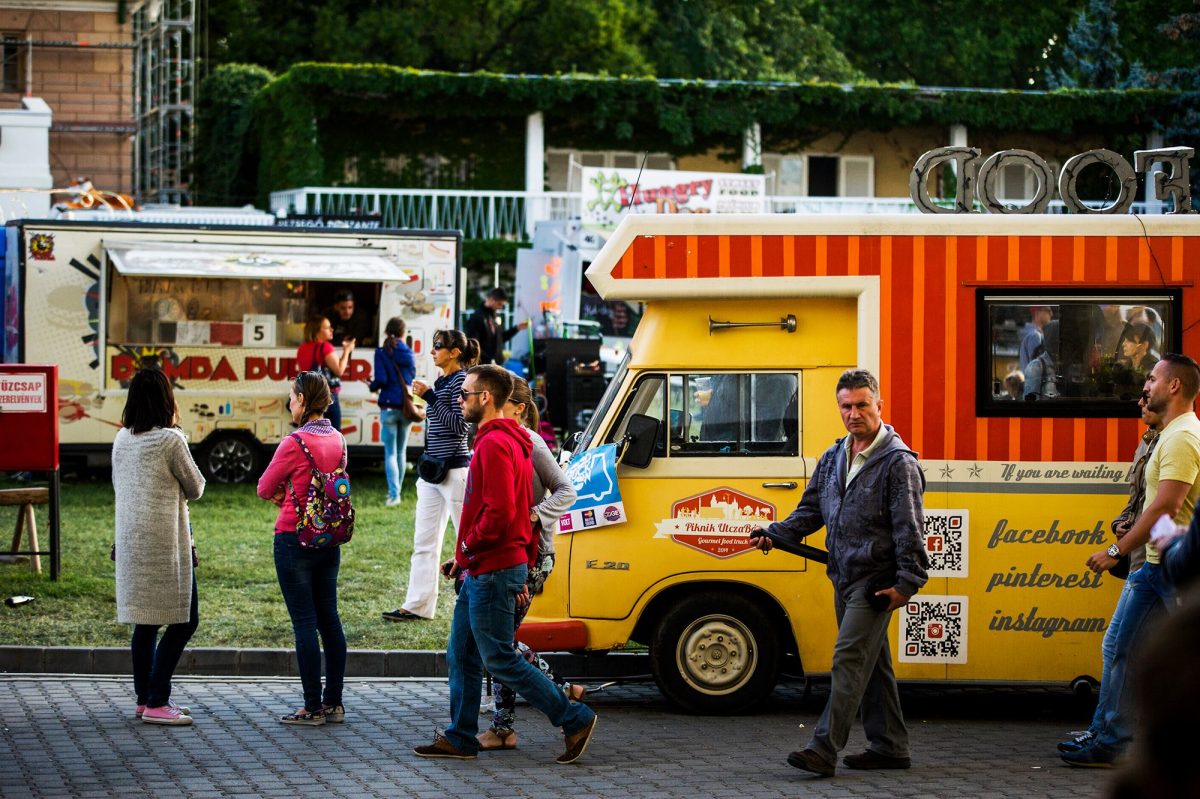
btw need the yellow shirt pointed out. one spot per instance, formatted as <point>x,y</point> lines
<point>855,464</point>
<point>1175,457</point>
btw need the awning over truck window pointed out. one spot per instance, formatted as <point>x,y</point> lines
<point>177,259</point>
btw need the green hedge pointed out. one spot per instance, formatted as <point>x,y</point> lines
<point>222,120</point>
<point>309,120</point>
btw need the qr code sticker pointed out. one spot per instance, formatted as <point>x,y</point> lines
<point>933,629</point>
<point>946,534</point>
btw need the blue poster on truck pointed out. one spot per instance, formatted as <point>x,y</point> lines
<point>594,475</point>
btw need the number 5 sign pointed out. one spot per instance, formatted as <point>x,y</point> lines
<point>258,330</point>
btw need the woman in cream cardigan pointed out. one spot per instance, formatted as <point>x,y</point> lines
<point>154,476</point>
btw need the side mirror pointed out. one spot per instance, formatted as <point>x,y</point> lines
<point>641,433</point>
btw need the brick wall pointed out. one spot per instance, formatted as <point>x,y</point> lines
<point>83,87</point>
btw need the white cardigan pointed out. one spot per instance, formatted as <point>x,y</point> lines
<point>154,476</point>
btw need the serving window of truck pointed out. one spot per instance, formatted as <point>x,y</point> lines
<point>214,296</point>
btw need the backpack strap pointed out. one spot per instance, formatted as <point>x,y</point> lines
<point>312,464</point>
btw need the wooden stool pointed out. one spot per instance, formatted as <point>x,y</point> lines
<point>25,499</point>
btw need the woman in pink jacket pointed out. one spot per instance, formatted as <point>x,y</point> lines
<point>308,577</point>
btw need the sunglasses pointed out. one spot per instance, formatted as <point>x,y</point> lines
<point>472,393</point>
<point>441,345</point>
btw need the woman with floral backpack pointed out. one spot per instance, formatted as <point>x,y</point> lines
<point>307,480</point>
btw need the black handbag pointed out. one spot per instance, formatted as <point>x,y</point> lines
<point>431,469</point>
<point>323,370</point>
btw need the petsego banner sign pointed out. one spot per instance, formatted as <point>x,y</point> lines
<point>610,194</point>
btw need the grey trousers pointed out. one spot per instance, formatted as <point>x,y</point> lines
<point>862,682</point>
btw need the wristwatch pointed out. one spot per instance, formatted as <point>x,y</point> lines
<point>1114,551</point>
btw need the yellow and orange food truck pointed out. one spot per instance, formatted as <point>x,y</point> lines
<point>1022,480</point>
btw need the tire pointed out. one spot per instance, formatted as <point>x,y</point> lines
<point>715,654</point>
<point>229,457</point>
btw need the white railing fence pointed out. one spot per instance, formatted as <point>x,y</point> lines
<point>512,214</point>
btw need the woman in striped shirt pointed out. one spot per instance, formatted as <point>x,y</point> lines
<point>445,441</point>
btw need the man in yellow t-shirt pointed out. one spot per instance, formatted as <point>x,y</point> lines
<point>1172,488</point>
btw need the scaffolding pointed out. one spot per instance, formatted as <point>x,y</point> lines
<point>164,84</point>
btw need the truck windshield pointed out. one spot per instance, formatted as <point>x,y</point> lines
<point>606,402</point>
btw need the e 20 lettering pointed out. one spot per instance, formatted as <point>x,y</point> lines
<point>983,182</point>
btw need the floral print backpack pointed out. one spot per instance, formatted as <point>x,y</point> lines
<point>325,517</point>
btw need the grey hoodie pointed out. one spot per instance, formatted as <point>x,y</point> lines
<point>873,526</point>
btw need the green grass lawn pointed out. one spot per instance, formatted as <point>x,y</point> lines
<point>240,603</point>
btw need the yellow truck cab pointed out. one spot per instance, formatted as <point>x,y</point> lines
<point>725,400</point>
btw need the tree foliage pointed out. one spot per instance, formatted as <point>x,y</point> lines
<point>222,124</point>
<point>979,43</point>
<point>744,40</point>
<point>1092,53</point>
<point>715,39</point>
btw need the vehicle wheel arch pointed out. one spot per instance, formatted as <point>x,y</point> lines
<point>243,442</point>
<point>717,647</point>
<point>654,609</point>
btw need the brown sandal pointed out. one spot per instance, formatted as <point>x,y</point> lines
<point>492,739</point>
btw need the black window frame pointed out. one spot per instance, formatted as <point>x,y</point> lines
<point>668,446</point>
<point>986,406</point>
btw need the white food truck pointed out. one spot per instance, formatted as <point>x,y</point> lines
<point>223,309</point>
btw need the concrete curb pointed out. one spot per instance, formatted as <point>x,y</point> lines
<point>215,661</point>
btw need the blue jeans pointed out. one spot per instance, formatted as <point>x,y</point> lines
<point>393,433</point>
<point>481,634</point>
<point>308,580</point>
<point>1107,650</point>
<point>1146,591</point>
<point>154,659</point>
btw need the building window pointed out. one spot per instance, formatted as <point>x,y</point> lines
<point>562,166</point>
<point>1071,352</point>
<point>819,175</point>
<point>10,62</point>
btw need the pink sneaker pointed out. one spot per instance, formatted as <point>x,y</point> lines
<point>187,711</point>
<point>167,714</point>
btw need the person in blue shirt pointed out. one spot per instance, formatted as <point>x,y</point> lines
<point>394,373</point>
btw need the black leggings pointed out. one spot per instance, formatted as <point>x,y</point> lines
<point>153,666</point>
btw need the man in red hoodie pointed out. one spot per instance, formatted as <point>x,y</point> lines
<point>494,551</point>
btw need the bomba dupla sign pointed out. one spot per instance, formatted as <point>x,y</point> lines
<point>980,179</point>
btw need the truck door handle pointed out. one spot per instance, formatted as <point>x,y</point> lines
<point>791,484</point>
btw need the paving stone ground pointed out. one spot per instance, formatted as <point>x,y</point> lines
<point>76,736</point>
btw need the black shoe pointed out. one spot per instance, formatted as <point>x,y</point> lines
<point>1096,755</point>
<point>809,760</point>
<point>874,760</point>
<point>1080,741</point>
<point>400,614</point>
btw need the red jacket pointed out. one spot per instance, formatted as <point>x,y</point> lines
<point>495,532</point>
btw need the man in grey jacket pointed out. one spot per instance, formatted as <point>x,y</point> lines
<point>866,491</point>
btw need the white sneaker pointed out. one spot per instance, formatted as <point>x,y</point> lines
<point>392,502</point>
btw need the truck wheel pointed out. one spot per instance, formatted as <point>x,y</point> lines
<point>229,458</point>
<point>715,654</point>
